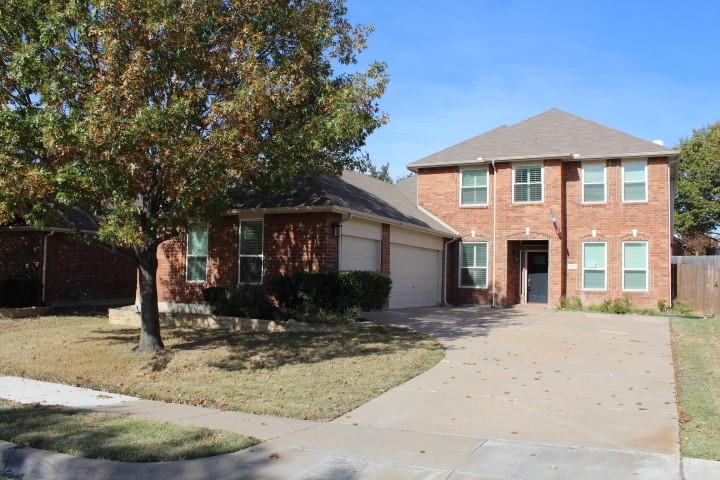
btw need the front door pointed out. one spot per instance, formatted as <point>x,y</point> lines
<point>537,277</point>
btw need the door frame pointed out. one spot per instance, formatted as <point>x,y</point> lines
<point>523,285</point>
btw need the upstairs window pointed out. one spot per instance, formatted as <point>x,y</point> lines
<point>197,254</point>
<point>473,264</point>
<point>634,180</point>
<point>251,251</point>
<point>527,183</point>
<point>635,266</point>
<point>593,177</point>
<point>474,187</point>
<point>594,265</point>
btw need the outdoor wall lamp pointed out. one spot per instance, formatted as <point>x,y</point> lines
<point>337,229</point>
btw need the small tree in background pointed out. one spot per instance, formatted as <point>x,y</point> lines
<point>697,203</point>
<point>381,173</point>
<point>146,114</point>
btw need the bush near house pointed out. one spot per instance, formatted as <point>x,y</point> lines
<point>20,292</point>
<point>624,306</point>
<point>321,297</point>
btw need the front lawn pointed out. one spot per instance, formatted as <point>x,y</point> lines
<point>112,437</point>
<point>317,376</point>
<point>696,350</point>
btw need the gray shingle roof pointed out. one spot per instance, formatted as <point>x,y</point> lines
<point>553,133</point>
<point>351,191</point>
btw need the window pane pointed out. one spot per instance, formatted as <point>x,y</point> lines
<point>198,240</point>
<point>594,255</point>
<point>474,255</point>
<point>535,192</point>
<point>468,255</point>
<point>474,178</point>
<point>594,193</point>
<point>251,238</point>
<point>635,280</point>
<point>535,173</point>
<point>521,175</point>
<point>196,268</point>
<point>634,171</point>
<point>474,196</point>
<point>634,192</point>
<point>594,172</point>
<point>594,279</point>
<point>473,277</point>
<point>250,269</point>
<point>634,255</point>
<point>521,193</point>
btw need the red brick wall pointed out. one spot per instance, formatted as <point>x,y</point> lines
<point>76,271</point>
<point>291,243</point>
<point>438,192</point>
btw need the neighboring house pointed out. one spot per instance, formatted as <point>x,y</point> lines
<point>553,206</point>
<point>71,271</point>
<point>708,244</point>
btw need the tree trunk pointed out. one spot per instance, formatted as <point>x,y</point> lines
<point>150,340</point>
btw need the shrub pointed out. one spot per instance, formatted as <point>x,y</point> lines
<point>372,289</point>
<point>662,306</point>
<point>240,301</point>
<point>20,292</point>
<point>680,308</point>
<point>618,305</point>
<point>571,303</point>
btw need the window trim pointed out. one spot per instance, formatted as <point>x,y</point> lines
<point>582,182</point>
<point>647,267</point>
<point>622,183</point>
<point>542,183</point>
<point>486,267</point>
<point>206,227</point>
<point>604,269</point>
<point>247,255</point>
<point>487,186</point>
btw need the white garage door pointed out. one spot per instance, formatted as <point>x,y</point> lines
<point>359,254</point>
<point>415,276</point>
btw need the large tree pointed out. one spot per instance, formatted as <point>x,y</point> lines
<point>147,113</point>
<point>697,203</point>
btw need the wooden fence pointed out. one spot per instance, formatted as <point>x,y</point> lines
<point>696,282</point>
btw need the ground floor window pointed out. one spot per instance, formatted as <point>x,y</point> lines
<point>594,265</point>
<point>635,266</point>
<point>197,253</point>
<point>251,251</point>
<point>473,264</point>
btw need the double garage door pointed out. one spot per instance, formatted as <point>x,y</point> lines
<point>414,262</point>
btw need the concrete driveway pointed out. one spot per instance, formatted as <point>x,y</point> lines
<point>537,375</point>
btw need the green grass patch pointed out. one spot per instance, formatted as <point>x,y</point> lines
<point>316,376</point>
<point>90,434</point>
<point>696,352</point>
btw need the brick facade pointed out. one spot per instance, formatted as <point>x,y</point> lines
<point>519,225</point>
<point>291,242</point>
<point>76,273</point>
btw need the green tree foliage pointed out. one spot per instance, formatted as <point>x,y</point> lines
<point>697,203</point>
<point>381,173</point>
<point>146,113</point>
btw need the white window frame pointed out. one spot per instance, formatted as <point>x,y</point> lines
<point>604,269</point>
<point>647,267</point>
<point>187,253</point>
<point>487,186</point>
<point>245,255</point>
<point>460,267</point>
<point>622,183</point>
<point>542,183</point>
<point>582,183</point>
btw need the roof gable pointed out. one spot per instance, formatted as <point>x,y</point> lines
<point>553,133</point>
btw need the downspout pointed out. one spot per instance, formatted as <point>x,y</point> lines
<point>494,245</point>
<point>44,270</point>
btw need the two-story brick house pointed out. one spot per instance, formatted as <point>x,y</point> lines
<point>553,206</point>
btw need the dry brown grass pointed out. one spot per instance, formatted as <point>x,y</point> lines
<point>316,376</point>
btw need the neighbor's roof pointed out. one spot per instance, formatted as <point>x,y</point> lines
<point>551,134</point>
<point>351,192</point>
<point>66,219</point>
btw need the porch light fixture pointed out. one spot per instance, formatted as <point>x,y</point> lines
<point>337,229</point>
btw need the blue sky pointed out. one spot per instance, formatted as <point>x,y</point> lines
<point>458,68</point>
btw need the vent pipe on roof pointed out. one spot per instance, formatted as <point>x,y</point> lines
<point>659,142</point>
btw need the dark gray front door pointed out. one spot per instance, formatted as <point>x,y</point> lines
<point>537,277</point>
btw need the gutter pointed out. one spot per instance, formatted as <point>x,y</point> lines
<point>44,270</point>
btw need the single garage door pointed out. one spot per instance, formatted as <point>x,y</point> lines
<point>415,275</point>
<point>359,254</point>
